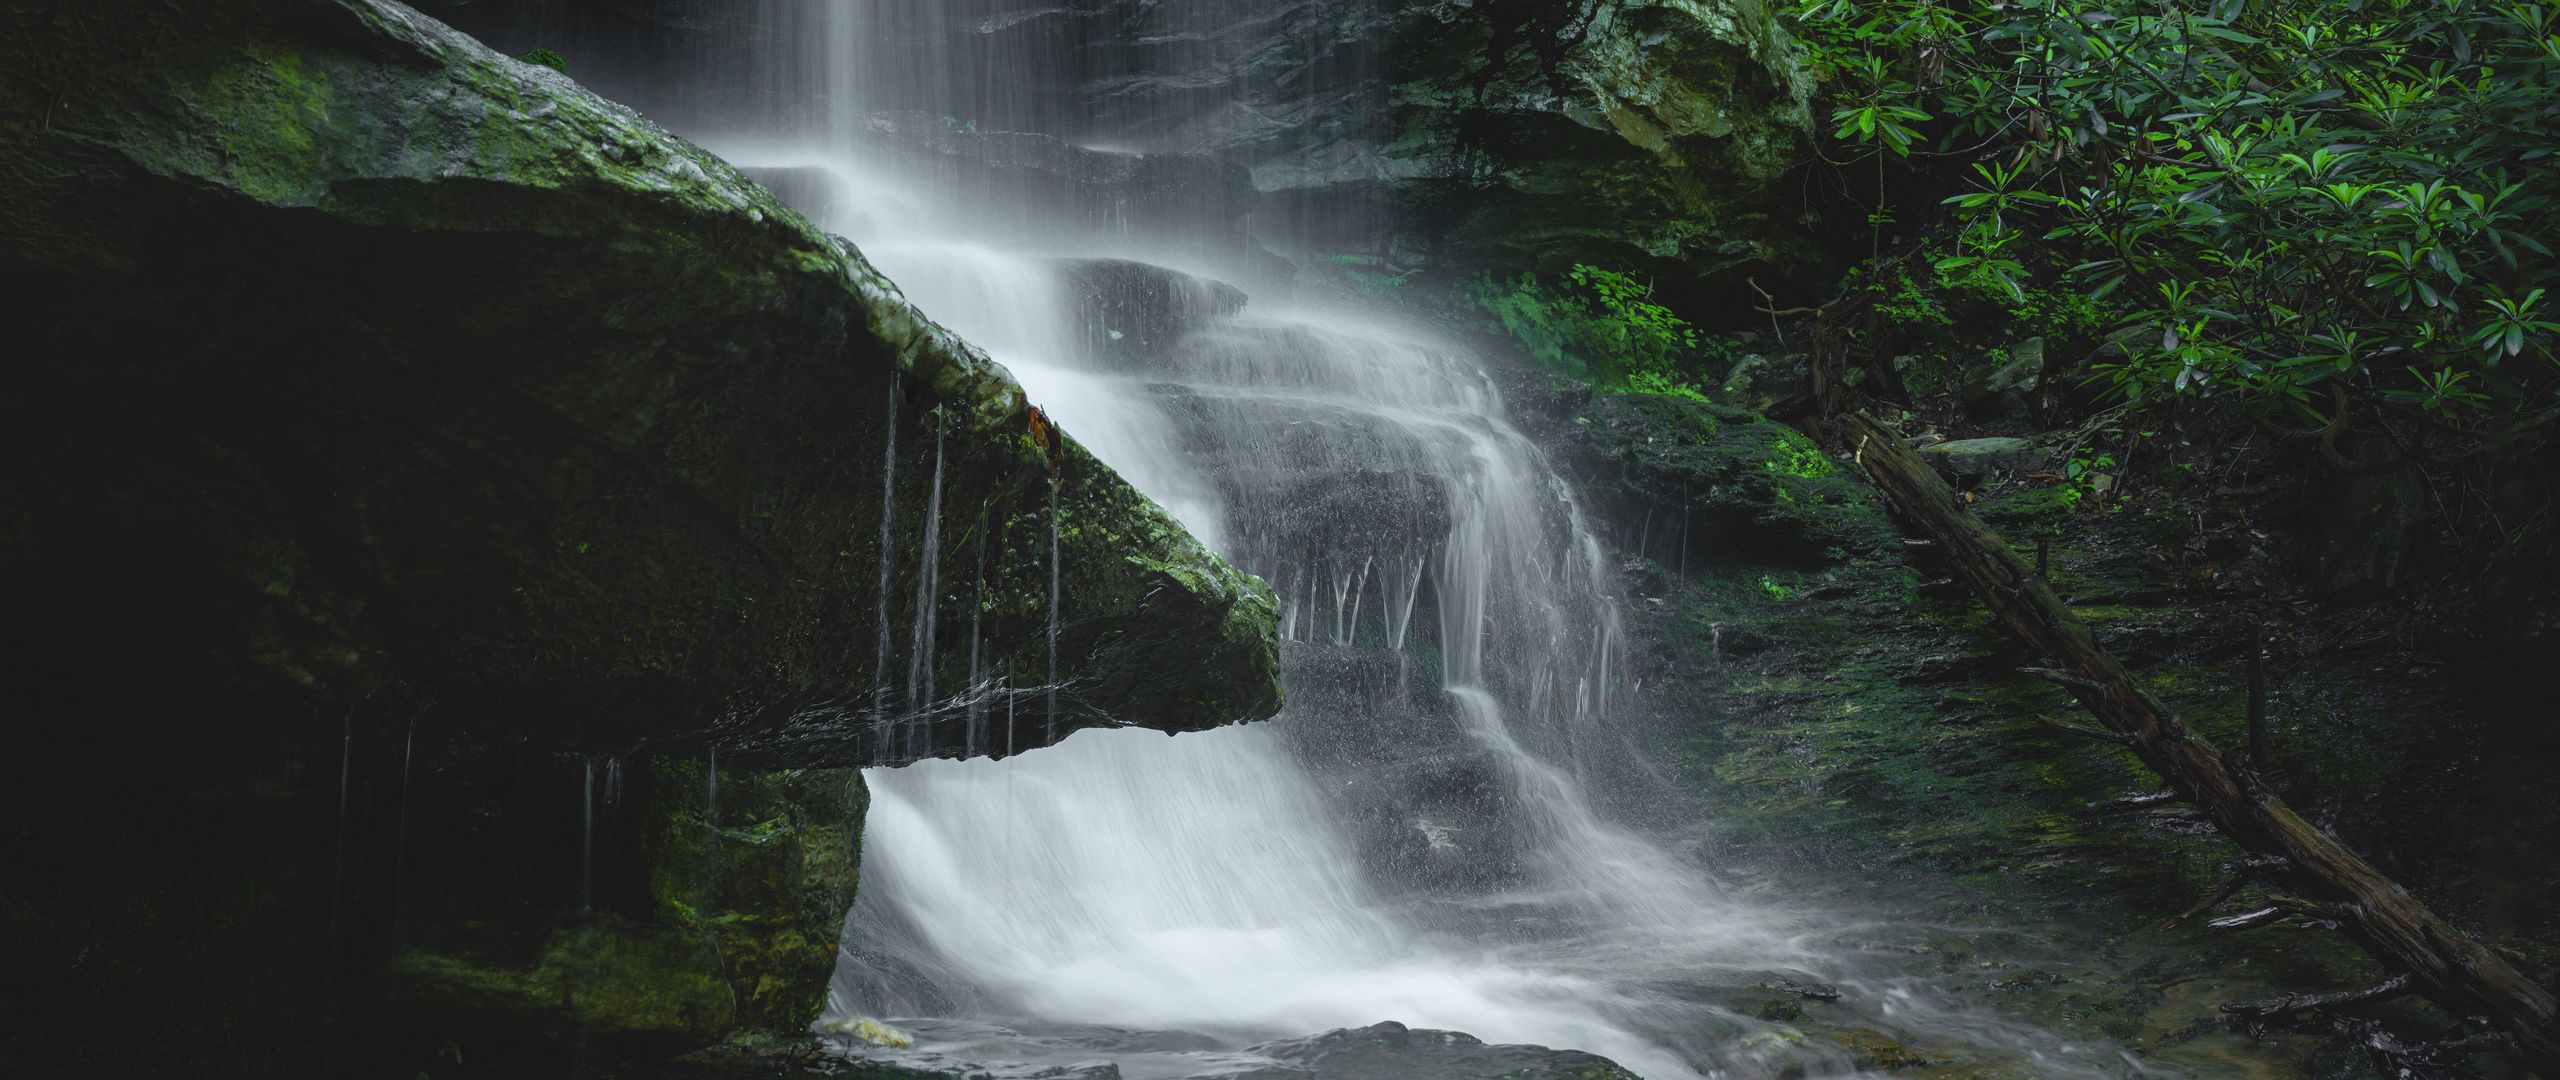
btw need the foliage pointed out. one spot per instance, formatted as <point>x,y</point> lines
<point>1798,461</point>
<point>1664,383</point>
<point>1599,325</point>
<point>547,58</point>
<point>2324,211</point>
<point>2088,473</point>
<point>1926,295</point>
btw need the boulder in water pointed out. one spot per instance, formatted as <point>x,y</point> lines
<point>1392,1049</point>
<point>1135,313</point>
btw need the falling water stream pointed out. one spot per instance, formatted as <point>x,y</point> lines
<point>1418,838</point>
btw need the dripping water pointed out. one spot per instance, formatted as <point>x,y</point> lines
<point>928,597</point>
<point>977,717</point>
<point>880,704</point>
<point>1054,600</point>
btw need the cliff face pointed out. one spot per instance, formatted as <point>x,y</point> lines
<point>398,430</point>
<point>1661,137</point>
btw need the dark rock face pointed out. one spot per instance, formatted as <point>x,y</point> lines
<point>1700,481</point>
<point>1392,1049</point>
<point>1136,313</point>
<point>417,465</point>
<point>1654,136</point>
<point>1179,198</point>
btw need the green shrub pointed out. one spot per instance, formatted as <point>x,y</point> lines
<point>1599,325</point>
<point>2327,212</point>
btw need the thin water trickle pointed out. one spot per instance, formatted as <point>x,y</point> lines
<point>977,742</point>
<point>880,704</point>
<point>1055,599</point>
<point>920,655</point>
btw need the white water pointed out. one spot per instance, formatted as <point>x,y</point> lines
<point>1204,882</point>
<point>1403,845</point>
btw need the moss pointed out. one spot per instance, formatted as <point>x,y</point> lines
<point>1744,485</point>
<point>1653,137</point>
<point>2028,511</point>
<point>767,883</point>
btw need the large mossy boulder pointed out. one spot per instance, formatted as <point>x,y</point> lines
<point>415,464</point>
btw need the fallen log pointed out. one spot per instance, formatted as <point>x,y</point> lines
<point>2440,961</point>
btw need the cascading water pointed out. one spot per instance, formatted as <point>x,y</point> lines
<point>1417,838</point>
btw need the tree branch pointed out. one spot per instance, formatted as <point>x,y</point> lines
<point>2440,960</point>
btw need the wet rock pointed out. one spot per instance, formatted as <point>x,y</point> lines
<point>1702,481</point>
<point>1194,202</point>
<point>817,193</point>
<point>1391,1049</point>
<point>2021,373</point>
<point>1982,457</point>
<point>2025,370</point>
<point>1095,1070</point>
<point>1653,135</point>
<point>1135,313</point>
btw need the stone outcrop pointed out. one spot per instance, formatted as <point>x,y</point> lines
<point>420,469</point>
<point>1392,1049</point>
<point>1695,482</point>
<point>1653,136</point>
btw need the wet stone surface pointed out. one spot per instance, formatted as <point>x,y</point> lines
<point>976,1051</point>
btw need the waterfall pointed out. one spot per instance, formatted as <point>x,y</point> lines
<point>1234,882</point>
<point>1417,838</point>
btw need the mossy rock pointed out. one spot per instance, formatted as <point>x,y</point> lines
<point>685,913</point>
<point>1654,136</point>
<point>1735,484</point>
<point>460,385</point>
<point>398,431</point>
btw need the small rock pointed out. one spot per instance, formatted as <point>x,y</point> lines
<point>2022,373</point>
<point>1981,457</point>
<point>2025,370</point>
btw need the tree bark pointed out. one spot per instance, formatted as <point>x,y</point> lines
<point>2442,962</point>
